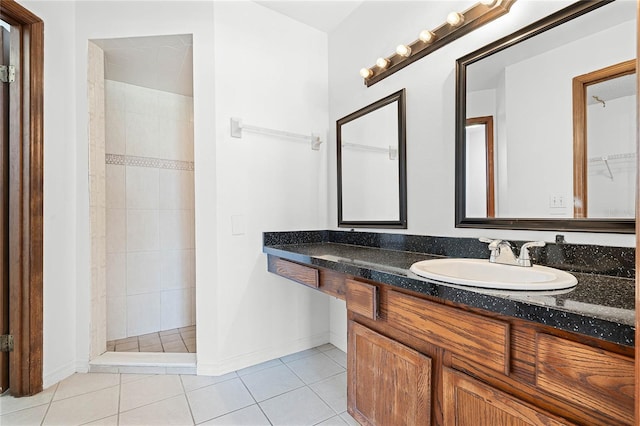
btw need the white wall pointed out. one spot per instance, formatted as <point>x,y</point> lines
<point>245,67</point>
<point>270,71</point>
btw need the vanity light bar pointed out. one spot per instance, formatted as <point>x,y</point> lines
<point>457,24</point>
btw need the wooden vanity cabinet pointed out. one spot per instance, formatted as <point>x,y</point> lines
<point>416,360</point>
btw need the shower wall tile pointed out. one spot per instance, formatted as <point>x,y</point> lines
<point>177,229</point>
<point>116,274</point>
<point>176,309</point>
<point>142,188</point>
<point>115,131</point>
<point>142,230</point>
<point>117,317</point>
<point>177,187</point>
<point>115,186</point>
<point>114,96</point>
<point>143,314</point>
<point>142,135</point>
<point>141,100</point>
<point>178,269</point>
<point>150,188</point>
<point>143,272</point>
<point>116,230</point>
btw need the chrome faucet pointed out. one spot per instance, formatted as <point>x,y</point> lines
<point>501,252</point>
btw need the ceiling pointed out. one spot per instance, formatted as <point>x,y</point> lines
<point>158,62</point>
<point>166,62</point>
<point>322,15</point>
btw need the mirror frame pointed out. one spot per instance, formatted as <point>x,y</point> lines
<point>574,10</point>
<point>401,223</point>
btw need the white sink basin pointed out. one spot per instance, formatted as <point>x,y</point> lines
<point>482,273</point>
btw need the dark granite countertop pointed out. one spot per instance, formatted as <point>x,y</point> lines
<point>601,306</point>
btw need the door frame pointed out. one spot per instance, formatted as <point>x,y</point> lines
<point>26,177</point>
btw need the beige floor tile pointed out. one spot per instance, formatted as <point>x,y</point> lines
<point>171,338</point>
<point>192,349</point>
<point>9,404</point>
<point>176,347</point>
<point>127,346</point>
<point>315,368</point>
<point>348,419</point>
<point>126,340</point>
<point>265,384</point>
<point>107,421</point>
<point>197,382</point>
<point>219,399</point>
<point>333,421</point>
<point>132,377</point>
<point>333,391</point>
<point>29,416</point>
<point>169,332</point>
<point>149,390</point>
<point>300,407</point>
<point>190,334</point>
<point>172,411</point>
<point>83,408</point>
<point>152,348</point>
<point>299,355</point>
<point>81,383</point>
<point>189,328</point>
<point>251,415</point>
<point>149,340</point>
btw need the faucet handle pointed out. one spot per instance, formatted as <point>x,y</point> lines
<point>524,259</point>
<point>494,247</point>
<point>493,244</point>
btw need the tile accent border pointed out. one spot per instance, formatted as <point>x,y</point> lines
<point>156,163</point>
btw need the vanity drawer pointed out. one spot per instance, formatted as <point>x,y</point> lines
<point>586,376</point>
<point>294,271</point>
<point>362,298</point>
<point>479,339</point>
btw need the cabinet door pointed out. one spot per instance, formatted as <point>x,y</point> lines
<point>468,402</point>
<point>388,383</point>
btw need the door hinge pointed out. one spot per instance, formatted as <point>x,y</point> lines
<point>7,73</point>
<point>6,343</point>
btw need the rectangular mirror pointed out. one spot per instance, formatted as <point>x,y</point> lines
<point>372,182</point>
<point>543,174</point>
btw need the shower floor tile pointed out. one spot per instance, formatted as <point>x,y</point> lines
<point>177,340</point>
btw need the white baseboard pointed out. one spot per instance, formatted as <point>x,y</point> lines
<point>53,377</point>
<point>339,340</point>
<point>238,362</point>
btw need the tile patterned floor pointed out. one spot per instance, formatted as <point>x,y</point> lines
<point>306,388</point>
<point>176,340</point>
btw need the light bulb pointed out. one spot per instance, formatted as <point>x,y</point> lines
<point>366,72</point>
<point>426,36</point>
<point>454,19</point>
<point>382,63</point>
<point>403,50</point>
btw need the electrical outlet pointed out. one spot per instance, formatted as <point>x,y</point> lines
<point>557,201</point>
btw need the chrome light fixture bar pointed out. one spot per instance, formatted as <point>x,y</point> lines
<point>456,25</point>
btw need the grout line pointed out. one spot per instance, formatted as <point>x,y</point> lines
<point>184,391</point>
<point>53,394</point>
<point>254,400</point>
<point>119,398</point>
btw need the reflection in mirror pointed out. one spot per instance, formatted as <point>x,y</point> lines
<point>524,81</point>
<point>480,179</point>
<point>371,165</point>
<point>604,111</point>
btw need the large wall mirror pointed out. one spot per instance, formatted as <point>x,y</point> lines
<point>372,177</point>
<point>560,95</point>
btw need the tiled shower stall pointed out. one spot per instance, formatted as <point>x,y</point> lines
<point>150,244</point>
